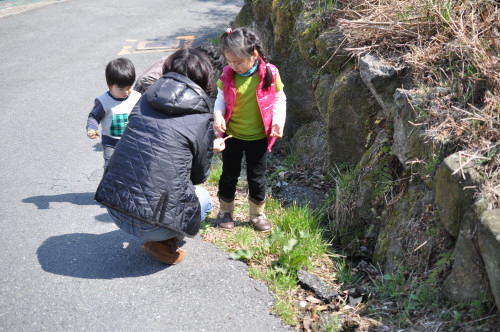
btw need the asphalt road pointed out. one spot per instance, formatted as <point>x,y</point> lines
<point>64,264</point>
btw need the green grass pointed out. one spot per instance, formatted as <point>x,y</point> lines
<point>275,258</point>
<point>282,286</point>
<point>432,166</point>
<point>413,296</point>
<point>215,170</point>
<point>345,275</point>
<point>293,160</point>
<point>294,242</point>
<point>336,211</point>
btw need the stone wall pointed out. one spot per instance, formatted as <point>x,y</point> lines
<point>415,198</point>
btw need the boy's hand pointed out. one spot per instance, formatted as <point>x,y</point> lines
<point>276,131</point>
<point>93,134</point>
<point>219,123</point>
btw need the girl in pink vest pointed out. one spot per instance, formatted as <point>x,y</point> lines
<point>250,107</point>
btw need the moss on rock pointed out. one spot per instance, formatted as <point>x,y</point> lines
<point>331,55</point>
<point>350,104</point>
<point>284,16</point>
<point>307,31</point>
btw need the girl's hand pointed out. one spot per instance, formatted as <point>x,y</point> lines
<point>219,123</point>
<point>276,131</point>
<point>93,134</point>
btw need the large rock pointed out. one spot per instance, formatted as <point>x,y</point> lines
<point>489,246</point>
<point>350,112</point>
<point>468,280</point>
<point>296,75</point>
<point>399,234</point>
<point>403,113</point>
<point>309,143</point>
<point>331,53</point>
<point>322,95</point>
<point>245,17</point>
<point>454,190</point>
<point>381,79</point>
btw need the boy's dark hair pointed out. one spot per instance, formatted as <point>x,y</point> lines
<point>121,72</point>
<point>215,55</point>
<point>241,42</point>
<point>193,64</point>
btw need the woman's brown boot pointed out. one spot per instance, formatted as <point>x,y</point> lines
<point>166,251</point>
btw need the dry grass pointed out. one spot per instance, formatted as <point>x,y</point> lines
<point>454,45</point>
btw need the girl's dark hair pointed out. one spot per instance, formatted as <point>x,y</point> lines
<point>193,64</point>
<point>241,43</point>
<point>121,72</point>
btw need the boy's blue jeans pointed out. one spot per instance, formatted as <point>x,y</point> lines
<point>107,152</point>
<point>150,232</point>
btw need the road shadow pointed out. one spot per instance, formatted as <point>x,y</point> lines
<point>43,201</point>
<point>104,217</point>
<point>96,256</point>
<point>98,147</point>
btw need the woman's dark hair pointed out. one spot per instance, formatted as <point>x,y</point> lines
<point>193,64</point>
<point>121,72</point>
<point>241,43</point>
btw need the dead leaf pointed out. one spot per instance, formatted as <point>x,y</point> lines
<point>312,299</point>
<point>307,324</point>
<point>320,307</point>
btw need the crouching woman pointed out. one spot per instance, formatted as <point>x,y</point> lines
<point>165,150</point>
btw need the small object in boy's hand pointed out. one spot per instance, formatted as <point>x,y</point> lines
<point>229,136</point>
<point>92,132</point>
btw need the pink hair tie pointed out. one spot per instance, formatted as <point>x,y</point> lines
<point>229,30</point>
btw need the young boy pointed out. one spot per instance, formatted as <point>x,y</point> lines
<point>112,108</point>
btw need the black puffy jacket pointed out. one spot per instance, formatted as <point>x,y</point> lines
<point>164,151</point>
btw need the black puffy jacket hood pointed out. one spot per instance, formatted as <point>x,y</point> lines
<point>175,94</point>
<point>164,151</point>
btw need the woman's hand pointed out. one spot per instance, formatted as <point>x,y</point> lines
<point>276,131</point>
<point>219,123</point>
<point>220,144</point>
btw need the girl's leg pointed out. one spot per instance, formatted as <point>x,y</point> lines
<point>256,157</point>
<point>231,168</point>
<point>205,201</point>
